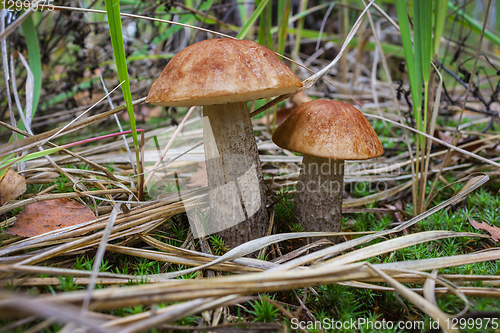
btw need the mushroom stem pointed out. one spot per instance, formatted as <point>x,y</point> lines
<point>237,196</point>
<point>318,201</point>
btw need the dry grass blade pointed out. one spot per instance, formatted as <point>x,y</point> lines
<point>141,214</point>
<point>19,204</point>
<point>136,226</point>
<point>331,251</point>
<point>180,260</point>
<point>11,28</point>
<point>169,144</point>
<point>457,279</point>
<point>43,141</point>
<point>171,311</point>
<point>436,263</point>
<point>255,245</point>
<point>65,313</point>
<point>430,288</point>
<point>28,143</point>
<point>99,256</point>
<point>89,10</point>
<point>18,323</point>
<point>56,281</point>
<point>465,291</point>
<point>356,202</point>
<point>446,144</point>
<point>219,286</point>
<point>178,311</point>
<point>431,131</point>
<point>60,271</point>
<point>190,254</point>
<point>260,282</point>
<point>395,244</point>
<point>66,151</point>
<point>432,310</point>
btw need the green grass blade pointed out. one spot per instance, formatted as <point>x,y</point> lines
<point>298,34</point>
<point>242,11</point>
<point>284,8</point>
<point>425,27</point>
<point>34,58</point>
<point>115,30</point>
<point>439,19</point>
<point>264,35</point>
<point>5,166</point>
<point>476,26</point>
<point>425,38</point>
<point>417,52</point>
<point>32,156</point>
<point>404,26</point>
<point>297,16</point>
<point>8,161</point>
<point>497,15</point>
<point>252,19</point>
<point>413,76</point>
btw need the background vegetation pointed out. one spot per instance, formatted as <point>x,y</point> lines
<point>426,75</point>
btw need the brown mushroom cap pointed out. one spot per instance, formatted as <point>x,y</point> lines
<point>220,71</point>
<point>329,129</point>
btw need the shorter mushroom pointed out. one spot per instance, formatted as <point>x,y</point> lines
<point>327,133</point>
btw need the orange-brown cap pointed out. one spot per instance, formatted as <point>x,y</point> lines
<point>329,129</point>
<point>220,71</point>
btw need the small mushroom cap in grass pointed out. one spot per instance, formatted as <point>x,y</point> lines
<point>219,71</point>
<point>329,129</point>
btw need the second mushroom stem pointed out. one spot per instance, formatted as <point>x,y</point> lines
<point>319,194</point>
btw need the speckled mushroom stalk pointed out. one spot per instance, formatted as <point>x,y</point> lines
<point>232,158</point>
<point>327,133</point>
<point>222,75</point>
<point>319,193</point>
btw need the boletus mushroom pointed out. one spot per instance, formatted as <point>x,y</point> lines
<point>326,132</point>
<point>222,75</point>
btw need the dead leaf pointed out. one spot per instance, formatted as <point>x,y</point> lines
<point>494,231</point>
<point>41,217</point>
<point>45,175</point>
<point>199,178</point>
<point>443,136</point>
<point>12,185</point>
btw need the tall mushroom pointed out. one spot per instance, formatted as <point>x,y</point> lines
<point>222,75</point>
<point>327,133</point>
